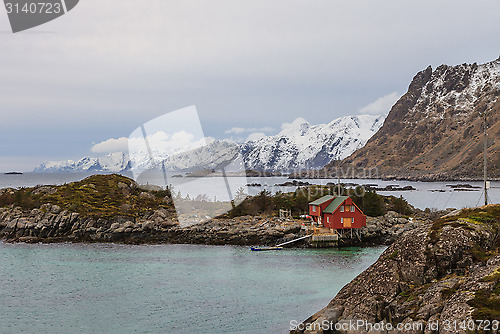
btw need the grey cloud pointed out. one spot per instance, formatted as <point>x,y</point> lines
<point>99,74</point>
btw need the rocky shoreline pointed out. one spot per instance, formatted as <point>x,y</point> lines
<point>52,224</point>
<point>410,178</point>
<point>445,272</point>
<point>113,208</point>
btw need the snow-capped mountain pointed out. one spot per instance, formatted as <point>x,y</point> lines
<point>114,162</point>
<point>210,156</point>
<point>300,145</point>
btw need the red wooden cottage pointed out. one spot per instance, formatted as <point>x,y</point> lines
<point>337,212</point>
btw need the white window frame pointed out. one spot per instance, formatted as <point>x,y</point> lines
<point>341,208</point>
<point>352,208</point>
<point>314,208</point>
<point>342,220</point>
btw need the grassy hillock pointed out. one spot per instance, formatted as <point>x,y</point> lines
<point>98,196</point>
<point>105,196</point>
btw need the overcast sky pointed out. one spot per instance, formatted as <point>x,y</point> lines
<point>106,67</point>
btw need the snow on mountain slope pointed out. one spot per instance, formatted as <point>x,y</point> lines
<point>114,162</point>
<point>435,130</point>
<point>209,156</point>
<point>455,90</point>
<point>300,145</point>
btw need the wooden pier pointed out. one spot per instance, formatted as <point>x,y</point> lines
<point>326,237</point>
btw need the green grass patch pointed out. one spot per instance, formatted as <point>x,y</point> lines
<point>394,255</point>
<point>448,292</point>
<point>486,305</point>
<point>480,254</point>
<point>98,196</point>
<point>405,294</point>
<point>486,302</point>
<point>489,215</point>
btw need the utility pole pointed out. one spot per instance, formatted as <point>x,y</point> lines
<point>338,177</point>
<point>484,161</point>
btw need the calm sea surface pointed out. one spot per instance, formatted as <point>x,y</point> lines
<point>434,195</point>
<point>109,288</point>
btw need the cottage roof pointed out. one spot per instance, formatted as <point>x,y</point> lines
<point>335,204</point>
<point>322,200</point>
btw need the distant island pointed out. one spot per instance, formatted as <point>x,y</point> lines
<point>13,173</point>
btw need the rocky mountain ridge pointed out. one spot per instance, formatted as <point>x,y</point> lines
<point>435,130</point>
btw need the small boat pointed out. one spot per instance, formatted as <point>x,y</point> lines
<point>260,249</point>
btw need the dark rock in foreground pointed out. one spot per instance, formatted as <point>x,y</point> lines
<point>435,276</point>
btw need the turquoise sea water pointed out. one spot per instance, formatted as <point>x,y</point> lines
<point>109,288</point>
